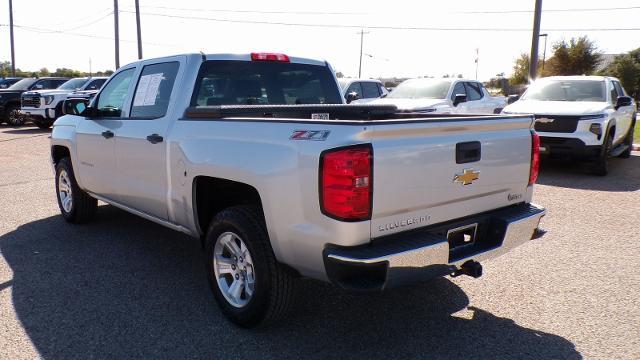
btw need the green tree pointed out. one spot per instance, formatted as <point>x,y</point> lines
<point>44,72</point>
<point>520,73</point>
<point>626,67</point>
<point>577,57</point>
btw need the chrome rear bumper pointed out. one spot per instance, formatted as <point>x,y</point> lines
<point>425,253</point>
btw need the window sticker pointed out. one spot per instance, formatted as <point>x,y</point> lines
<point>147,90</point>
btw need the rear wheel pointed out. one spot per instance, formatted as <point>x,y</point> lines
<point>250,286</point>
<point>601,165</point>
<point>43,124</point>
<point>75,205</point>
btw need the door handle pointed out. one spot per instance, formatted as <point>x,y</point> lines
<point>155,138</point>
<point>107,134</point>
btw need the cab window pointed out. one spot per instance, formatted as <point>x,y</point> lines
<point>112,97</point>
<point>153,90</point>
<point>370,90</point>
<point>473,91</point>
<point>458,89</point>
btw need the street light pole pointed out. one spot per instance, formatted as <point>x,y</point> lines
<point>13,54</point>
<point>117,32</point>
<point>533,65</point>
<point>544,52</point>
<point>362,32</point>
<point>138,27</point>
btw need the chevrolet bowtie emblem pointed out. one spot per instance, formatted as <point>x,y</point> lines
<point>545,120</point>
<point>467,177</point>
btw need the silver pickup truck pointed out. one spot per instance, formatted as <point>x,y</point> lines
<point>257,156</point>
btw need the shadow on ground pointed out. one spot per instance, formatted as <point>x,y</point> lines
<point>26,130</point>
<point>624,175</point>
<point>123,287</point>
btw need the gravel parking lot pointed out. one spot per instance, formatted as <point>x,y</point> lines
<point>124,287</point>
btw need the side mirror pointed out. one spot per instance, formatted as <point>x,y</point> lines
<point>78,107</point>
<point>623,101</point>
<point>512,98</point>
<point>352,96</point>
<point>459,98</point>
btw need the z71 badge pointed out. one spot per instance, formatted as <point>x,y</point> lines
<point>313,135</point>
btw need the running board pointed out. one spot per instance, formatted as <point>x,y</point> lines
<point>619,150</point>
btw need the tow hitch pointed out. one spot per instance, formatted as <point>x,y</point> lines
<point>471,268</point>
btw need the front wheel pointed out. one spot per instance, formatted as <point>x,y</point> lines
<point>43,124</point>
<point>601,165</point>
<point>13,116</point>
<point>75,205</point>
<point>250,286</point>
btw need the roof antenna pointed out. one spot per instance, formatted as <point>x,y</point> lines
<point>204,57</point>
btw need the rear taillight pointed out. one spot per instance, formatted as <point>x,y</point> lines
<point>269,57</point>
<point>535,157</point>
<point>346,183</point>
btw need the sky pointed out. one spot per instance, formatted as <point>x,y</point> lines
<point>402,38</point>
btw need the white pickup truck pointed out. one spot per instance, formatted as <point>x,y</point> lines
<point>258,157</point>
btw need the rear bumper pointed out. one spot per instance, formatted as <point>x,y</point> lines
<point>425,253</point>
<point>557,146</point>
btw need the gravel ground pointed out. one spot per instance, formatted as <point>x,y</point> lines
<point>123,287</point>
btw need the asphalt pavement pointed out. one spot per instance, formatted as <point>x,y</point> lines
<point>123,287</point>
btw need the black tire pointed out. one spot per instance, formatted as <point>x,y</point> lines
<point>497,110</point>
<point>273,283</point>
<point>601,165</point>
<point>629,140</point>
<point>13,116</point>
<point>83,206</point>
<point>43,124</point>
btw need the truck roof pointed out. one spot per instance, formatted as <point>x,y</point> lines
<point>578,77</point>
<point>236,57</point>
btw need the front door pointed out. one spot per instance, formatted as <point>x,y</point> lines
<point>141,143</point>
<point>95,138</point>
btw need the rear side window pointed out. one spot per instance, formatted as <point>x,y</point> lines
<point>262,83</point>
<point>473,91</point>
<point>95,84</point>
<point>153,90</point>
<point>370,90</point>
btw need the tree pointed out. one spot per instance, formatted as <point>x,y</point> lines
<point>339,75</point>
<point>626,67</point>
<point>44,72</point>
<point>520,70</point>
<point>577,57</point>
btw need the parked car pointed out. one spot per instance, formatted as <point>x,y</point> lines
<point>443,96</point>
<point>358,195</point>
<point>363,89</point>
<point>43,107</point>
<point>584,117</point>
<point>6,82</point>
<point>10,97</point>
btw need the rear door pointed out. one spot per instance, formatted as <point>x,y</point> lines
<point>433,171</point>
<point>624,114</point>
<point>141,144</point>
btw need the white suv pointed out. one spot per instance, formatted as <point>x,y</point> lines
<point>585,117</point>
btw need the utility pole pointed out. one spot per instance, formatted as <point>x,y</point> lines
<point>477,60</point>
<point>535,38</point>
<point>90,73</point>
<point>544,52</point>
<point>138,27</point>
<point>13,54</point>
<point>117,32</point>
<point>362,32</point>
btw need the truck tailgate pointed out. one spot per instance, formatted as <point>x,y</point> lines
<point>428,172</point>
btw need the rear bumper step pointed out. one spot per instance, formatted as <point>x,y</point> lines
<point>426,253</point>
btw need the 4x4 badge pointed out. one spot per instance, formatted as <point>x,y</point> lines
<point>467,177</point>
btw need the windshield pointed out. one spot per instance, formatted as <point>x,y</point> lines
<point>566,90</point>
<point>263,83</point>
<point>416,89</point>
<point>22,84</point>
<point>73,84</point>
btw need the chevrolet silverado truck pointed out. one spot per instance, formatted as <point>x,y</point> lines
<point>10,97</point>
<point>258,156</point>
<point>43,107</point>
<point>582,117</point>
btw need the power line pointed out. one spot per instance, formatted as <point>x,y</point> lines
<point>90,23</point>
<point>547,10</point>
<point>375,27</point>
<point>257,11</point>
